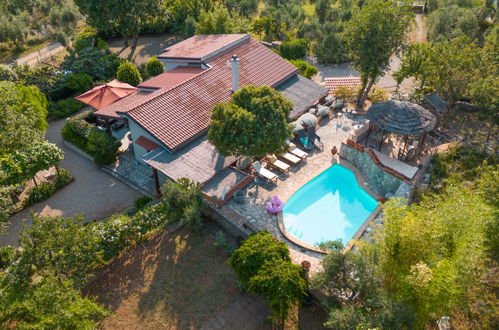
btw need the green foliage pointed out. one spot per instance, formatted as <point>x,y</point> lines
<point>86,38</point>
<point>23,164</point>
<point>6,207</point>
<point>92,61</point>
<point>190,27</point>
<point>39,193</point>
<point>154,67</point>
<point>49,303</point>
<point>376,31</point>
<point>128,73</point>
<point>378,95</point>
<point>455,69</point>
<point>100,145</point>
<point>243,7</point>
<point>461,162</point>
<point>126,17</point>
<point>14,28</point>
<point>263,264</point>
<point>64,108</point>
<point>22,116</point>
<point>184,202</point>
<point>281,285</point>
<point>253,123</point>
<point>294,49</point>
<point>257,250</point>
<point>306,70</point>
<point>218,20</point>
<point>331,48</point>
<point>78,82</point>
<point>141,202</point>
<point>7,73</point>
<point>453,19</point>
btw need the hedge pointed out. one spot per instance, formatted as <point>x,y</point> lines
<point>63,108</point>
<point>44,190</point>
<point>98,144</point>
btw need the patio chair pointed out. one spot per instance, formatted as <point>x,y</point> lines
<point>290,158</point>
<point>276,163</point>
<point>260,169</point>
<point>302,138</point>
<point>315,139</point>
<point>294,150</point>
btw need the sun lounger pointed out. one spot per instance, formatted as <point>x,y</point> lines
<point>260,169</point>
<point>276,163</point>
<point>290,158</point>
<point>294,150</point>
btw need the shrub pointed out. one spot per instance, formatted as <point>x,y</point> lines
<point>98,144</point>
<point>141,202</point>
<point>294,49</point>
<point>378,95</point>
<point>63,178</point>
<point>306,69</point>
<point>84,39</point>
<point>128,73</point>
<point>323,111</point>
<point>184,201</point>
<point>39,193</point>
<point>78,82</point>
<point>347,94</point>
<point>102,146</point>
<point>7,73</point>
<point>63,108</point>
<point>154,67</point>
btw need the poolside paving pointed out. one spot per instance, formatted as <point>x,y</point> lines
<point>332,132</point>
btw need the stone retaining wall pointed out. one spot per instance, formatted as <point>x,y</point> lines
<point>379,181</point>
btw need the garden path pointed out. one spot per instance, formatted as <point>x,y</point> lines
<point>94,193</point>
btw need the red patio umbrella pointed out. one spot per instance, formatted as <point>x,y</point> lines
<point>103,95</point>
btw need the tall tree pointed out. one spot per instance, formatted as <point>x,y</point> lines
<point>253,123</point>
<point>23,112</point>
<point>127,17</point>
<point>376,31</point>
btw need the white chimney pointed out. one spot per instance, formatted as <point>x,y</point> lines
<point>235,73</point>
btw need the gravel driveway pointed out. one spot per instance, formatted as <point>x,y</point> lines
<point>94,193</point>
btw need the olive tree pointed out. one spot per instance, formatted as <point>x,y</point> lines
<point>253,123</point>
<point>376,31</point>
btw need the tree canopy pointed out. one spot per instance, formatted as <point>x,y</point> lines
<point>23,112</point>
<point>376,31</point>
<point>253,123</point>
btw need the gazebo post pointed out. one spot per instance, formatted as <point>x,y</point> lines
<point>368,132</point>
<point>421,142</point>
<point>156,182</point>
<point>381,140</point>
<point>405,144</point>
<point>108,126</point>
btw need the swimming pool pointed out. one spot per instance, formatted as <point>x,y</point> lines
<point>329,207</point>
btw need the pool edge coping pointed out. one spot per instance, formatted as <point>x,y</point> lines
<point>358,233</point>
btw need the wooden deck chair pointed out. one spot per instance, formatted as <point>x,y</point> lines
<point>290,158</point>
<point>294,150</point>
<point>276,163</point>
<point>260,169</point>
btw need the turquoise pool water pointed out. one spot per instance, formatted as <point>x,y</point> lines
<point>329,207</point>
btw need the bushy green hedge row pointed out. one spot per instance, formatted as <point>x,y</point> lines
<point>98,144</point>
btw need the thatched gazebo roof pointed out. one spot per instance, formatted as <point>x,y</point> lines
<point>404,118</point>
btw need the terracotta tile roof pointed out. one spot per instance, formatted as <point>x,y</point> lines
<point>177,115</point>
<point>125,104</point>
<point>334,83</point>
<point>172,78</point>
<point>201,46</point>
<point>146,143</point>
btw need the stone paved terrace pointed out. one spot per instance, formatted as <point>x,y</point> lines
<point>332,132</point>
